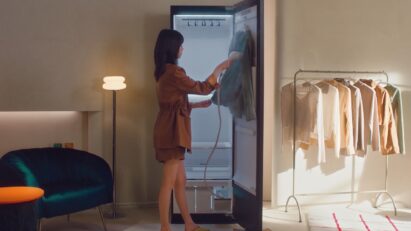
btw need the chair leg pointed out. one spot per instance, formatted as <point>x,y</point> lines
<point>68,218</point>
<point>39,224</point>
<point>102,218</point>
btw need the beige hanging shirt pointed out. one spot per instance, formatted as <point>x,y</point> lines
<point>388,131</point>
<point>308,120</point>
<point>346,126</point>
<point>371,125</point>
<point>357,119</point>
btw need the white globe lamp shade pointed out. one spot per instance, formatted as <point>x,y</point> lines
<point>114,83</point>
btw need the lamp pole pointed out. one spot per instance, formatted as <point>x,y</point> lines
<point>114,157</point>
<point>114,214</point>
<point>114,83</point>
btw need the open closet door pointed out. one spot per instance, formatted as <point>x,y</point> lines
<point>211,33</point>
<point>248,130</point>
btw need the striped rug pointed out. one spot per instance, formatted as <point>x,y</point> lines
<point>355,221</point>
<point>156,227</point>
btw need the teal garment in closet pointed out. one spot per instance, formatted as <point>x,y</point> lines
<point>237,92</point>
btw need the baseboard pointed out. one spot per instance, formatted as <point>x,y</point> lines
<point>128,205</point>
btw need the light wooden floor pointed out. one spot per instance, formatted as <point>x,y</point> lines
<point>146,219</point>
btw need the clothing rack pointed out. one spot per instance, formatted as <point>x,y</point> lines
<point>204,21</point>
<point>294,195</point>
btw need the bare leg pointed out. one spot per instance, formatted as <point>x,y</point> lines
<point>170,169</point>
<point>180,194</point>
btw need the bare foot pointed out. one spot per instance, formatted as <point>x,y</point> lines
<point>165,229</point>
<point>191,227</point>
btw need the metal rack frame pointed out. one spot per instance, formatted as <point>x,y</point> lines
<point>294,195</point>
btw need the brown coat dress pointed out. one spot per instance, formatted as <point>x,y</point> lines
<point>172,129</point>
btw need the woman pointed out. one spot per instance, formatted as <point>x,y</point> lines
<point>172,131</point>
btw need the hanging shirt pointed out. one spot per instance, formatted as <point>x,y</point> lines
<point>346,125</point>
<point>371,127</point>
<point>331,116</point>
<point>357,115</point>
<point>388,130</point>
<point>396,103</point>
<point>358,118</point>
<point>308,116</point>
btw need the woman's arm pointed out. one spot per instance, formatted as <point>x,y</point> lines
<point>190,86</point>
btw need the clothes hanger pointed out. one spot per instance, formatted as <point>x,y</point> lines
<point>381,82</point>
<point>345,81</point>
<point>323,85</point>
<point>303,87</point>
<point>307,84</point>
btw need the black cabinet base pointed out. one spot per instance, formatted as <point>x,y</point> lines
<point>205,219</point>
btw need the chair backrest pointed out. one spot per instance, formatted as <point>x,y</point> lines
<point>10,176</point>
<point>43,166</point>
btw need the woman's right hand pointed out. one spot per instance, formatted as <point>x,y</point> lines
<point>222,66</point>
<point>217,71</point>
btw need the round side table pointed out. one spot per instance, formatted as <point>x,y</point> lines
<point>18,208</point>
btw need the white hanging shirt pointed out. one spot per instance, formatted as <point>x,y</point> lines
<point>331,116</point>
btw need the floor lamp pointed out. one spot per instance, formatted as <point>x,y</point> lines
<point>114,83</point>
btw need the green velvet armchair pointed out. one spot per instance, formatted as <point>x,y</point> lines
<point>73,180</point>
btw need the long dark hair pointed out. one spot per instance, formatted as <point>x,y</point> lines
<point>166,50</point>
